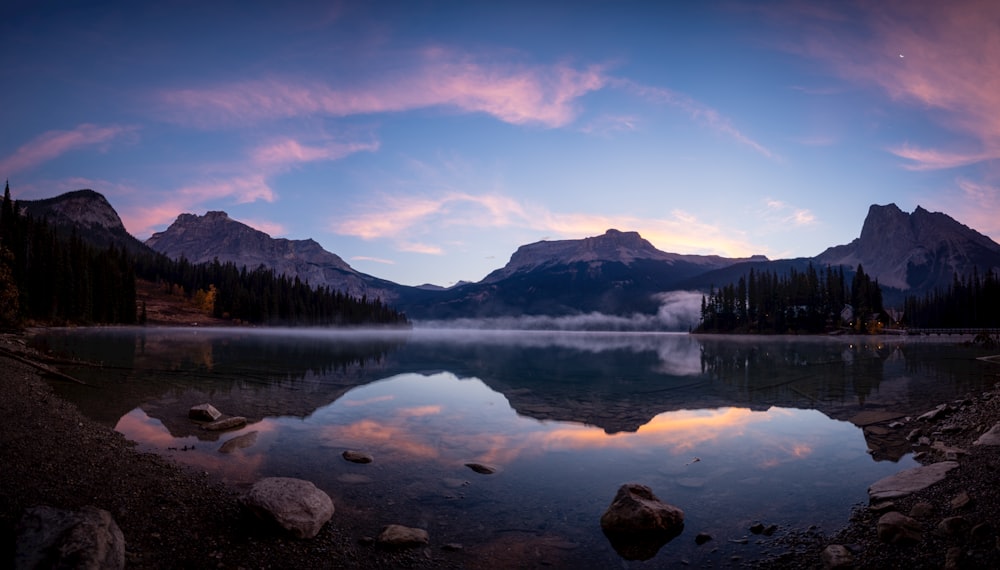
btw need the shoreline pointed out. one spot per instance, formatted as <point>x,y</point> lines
<point>171,516</point>
<point>174,516</point>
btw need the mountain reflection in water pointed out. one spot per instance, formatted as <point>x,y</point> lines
<point>732,430</point>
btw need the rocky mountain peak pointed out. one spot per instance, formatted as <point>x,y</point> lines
<point>920,250</point>
<point>82,208</point>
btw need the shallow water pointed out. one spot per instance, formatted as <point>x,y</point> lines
<point>732,430</point>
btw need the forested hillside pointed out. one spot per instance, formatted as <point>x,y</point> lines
<point>49,275</point>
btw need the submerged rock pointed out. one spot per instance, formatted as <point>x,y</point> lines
<point>481,469</point>
<point>357,456</point>
<point>57,538</point>
<point>228,423</point>
<point>295,505</point>
<point>239,442</point>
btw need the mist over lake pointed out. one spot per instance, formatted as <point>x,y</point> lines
<point>733,430</point>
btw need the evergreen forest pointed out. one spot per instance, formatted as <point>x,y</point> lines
<point>972,302</point>
<point>53,275</point>
<point>807,301</point>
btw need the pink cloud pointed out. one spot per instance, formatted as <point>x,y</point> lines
<point>290,151</point>
<point>52,144</point>
<point>406,219</point>
<point>940,56</point>
<point>517,94</point>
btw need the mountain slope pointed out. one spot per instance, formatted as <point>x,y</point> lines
<point>203,239</point>
<point>618,273</point>
<point>89,212</point>
<point>915,252</point>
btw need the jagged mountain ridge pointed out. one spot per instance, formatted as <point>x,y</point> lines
<point>915,252</point>
<point>203,239</point>
<point>615,273</point>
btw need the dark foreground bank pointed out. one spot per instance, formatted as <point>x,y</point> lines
<point>173,517</point>
<point>170,517</point>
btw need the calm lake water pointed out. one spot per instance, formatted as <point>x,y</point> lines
<point>732,430</point>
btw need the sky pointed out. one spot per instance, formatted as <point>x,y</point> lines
<point>424,142</point>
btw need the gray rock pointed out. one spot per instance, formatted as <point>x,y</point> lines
<point>922,510</point>
<point>991,437</point>
<point>204,413</point>
<point>837,556</point>
<point>953,558</point>
<point>961,500</point>
<point>953,526</point>
<point>936,413</point>
<point>294,504</point>
<point>909,481</point>
<point>57,538</point>
<point>636,509</point>
<point>897,528</point>
<point>357,456</point>
<point>239,442</point>
<point>399,536</point>
<point>226,424</point>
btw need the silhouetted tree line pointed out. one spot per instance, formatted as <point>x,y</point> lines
<point>48,276</point>
<point>807,301</point>
<point>260,296</point>
<point>973,301</point>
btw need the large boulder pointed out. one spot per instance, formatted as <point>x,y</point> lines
<point>638,523</point>
<point>295,505</point>
<point>909,481</point>
<point>897,528</point>
<point>57,538</point>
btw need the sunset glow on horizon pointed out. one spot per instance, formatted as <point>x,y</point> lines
<point>426,141</point>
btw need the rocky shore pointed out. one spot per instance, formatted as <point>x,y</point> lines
<point>170,517</point>
<point>951,523</point>
<point>174,517</point>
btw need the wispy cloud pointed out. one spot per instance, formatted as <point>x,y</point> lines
<point>698,112</point>
<point>409,221</point>
<point>930,159</point>
<point>52,144</point>
<point>940,56</point>
<point>373,259</point>
<point>514,93</point>
<point>972,203</point>
<point>288,151</point>
<point>781,214</point>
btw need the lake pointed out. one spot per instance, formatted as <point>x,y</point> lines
<point>733,430</point>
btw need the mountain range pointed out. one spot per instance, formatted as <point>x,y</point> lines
<point>617,273</point>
